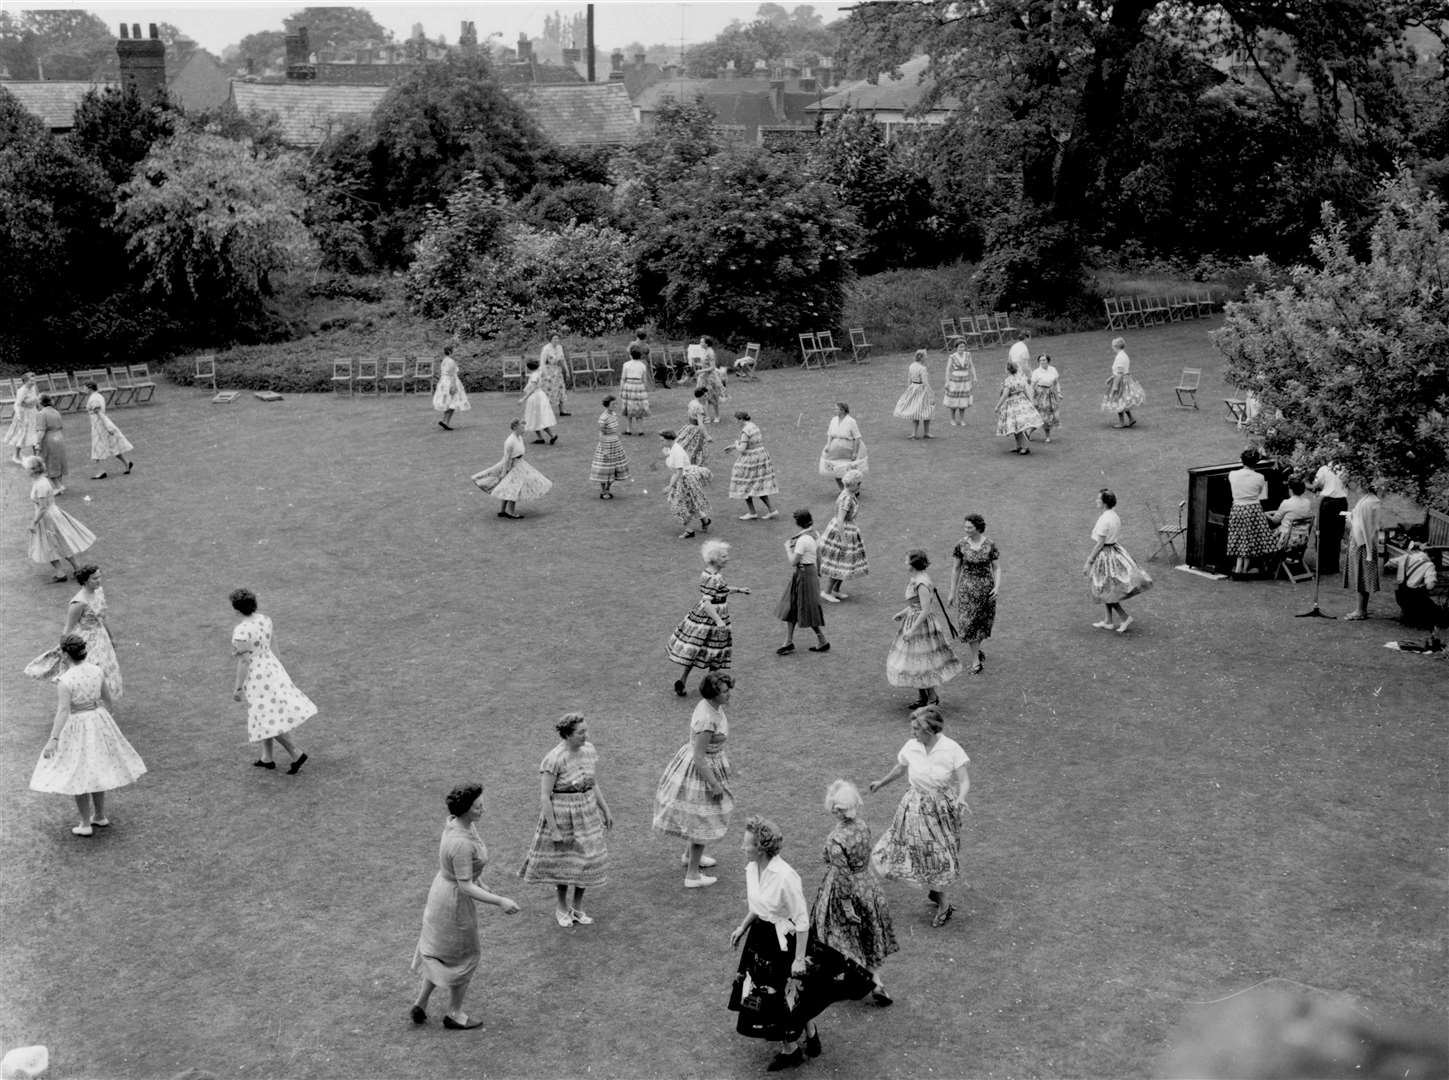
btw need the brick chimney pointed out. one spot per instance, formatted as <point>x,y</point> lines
<point>616,66</point>
<point>142,62</point>
<point>640,59</point>
<point>525,48</point>
<point>807,81</point>
<point>299,59</point>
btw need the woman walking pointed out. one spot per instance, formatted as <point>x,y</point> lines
<point>1112,574</point>
<point>850,923</point>
<point>23,432</point>
<point>693,799</point>
<point>960,381</point>
<point>693,436</point>
<point>1046,393</point>
<point>685,491</point>
<point>513,480</point>
<point>1250,535</point>
<point>923,843</point>
<point>844,448</point>
<point>800,604</point>
<point>274,704</point>
<point>842,552</point>
<point>633,388</point>
<point>1124,393</point>
<point>86,754</point>
<point>707,376</point>
<point>538,416</point>
<point>54,534</point>
<point>449,396</point>
<point>975,584</point>
<point>775,933</point>
<point>753,475</point>
<point>553,365</point>
<point>702,638</point>
<point>569,850</point>
<point>921,655</point>
<point>1361,562</point>
<point>85,617</point>
<point>918,403</point>
<point>610,462</point>
<point>106,439</point>
<point>448,950</point>
<point>1016,416</point>
<point>51,445</point>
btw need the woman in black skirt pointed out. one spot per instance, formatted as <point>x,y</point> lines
<point>800,605</point>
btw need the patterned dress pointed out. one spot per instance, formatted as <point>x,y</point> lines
<point>1114,575</point>
<point>100,650</point>
<point>274,705</point>
<point>57,535</point>
<point>918,402</point>
<point>693,436</point>
<point>581,858</point>
<point>844,448</point>
<point>708,376</point>
<point>1123,391</point>
<point>449,393</point>
<point>920,656</point>
<point>91,754</point>
<point>685,493</point>
<point>521,482</point>
<point>610,462</point>
<point>1249,532</point>
<point>24,431</point>
<point>697,641</point>
<point>537,411</point>
<point>842,552</point>
<point>633,394</point>
<point>960,381</point>
<point>448,950</point>
<point>52,443</point>
<point>683,806</point>
<point>975,606</point>
<point>1046,395</point>
<point>551,372</point>
<point>106,439</point>
<point>923,843</point>
<point>1016,413</point>
<point>753,474</point>
<point>1361,561</point>
<point>850,914</point>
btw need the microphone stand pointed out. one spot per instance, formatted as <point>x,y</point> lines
<point>1314,612</point>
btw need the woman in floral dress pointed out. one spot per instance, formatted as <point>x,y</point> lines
<point>538,415</point>
<point>1112,574</point>
<point>753,475</point>
<point>106,439</point>
<point>274,705</point>
<point>918,403</point>
<point>449,397</point>
<point>850,922</point>
<point>23,434</point>
<point>85,617</point>
<point>569,850</point>
<point>1124,393</point>
<point>610,463</point>
<point>702,638</point>
<point>685,491</point>
<point>513,480</point>
<point>86,755</point>
<point>842,552</point>
<point>1015,414</point>
<point>923,843</point>
<point>974,586</point>
<point>54,534</point>
<point>693,799</point>
<point>694,436</point>
<point>960,381</point>
<point>554,365</point>
<point>1046,393</point>
<point>921,655</point>
<point>51,444</point>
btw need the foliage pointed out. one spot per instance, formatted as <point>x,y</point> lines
<point>336,27</point>
<point>53,44</point>
<point>207,223</point>
<point>116,129</point>
<point>267,48</point>
<point>1034,264</point>
<point>577,280</point>
<point>773,34</point>
<point>1351,359</point>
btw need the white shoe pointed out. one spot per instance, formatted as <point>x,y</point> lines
<point>771,514</point>
<point>749,517</point>
<point>829,598</point>
<point>705,861</point>
<point>1104,625</point>
<point>700,882</point>
<point>580,918</point>
<point>1123,628</point>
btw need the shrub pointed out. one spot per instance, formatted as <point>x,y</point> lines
<point>1034,265</point>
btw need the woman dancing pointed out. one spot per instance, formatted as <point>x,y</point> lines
<point>960,381</point>
<point>975,584</point>
<point>842,552</point>
<point>54,534</point>
<point>844,448</point>
<point>513,480</point>
<point>633,388</point>
<point>449,396</point>
<point>921,655</point>
<point>106,439</point>
<point>800,604</point>
<point>1124,393</point>
<point>1046,393</point>
<point>1015,414</point>
<point>918,403</point>
<point>693,799</point>
<point>538,414</point>
<point>693,436</point>
<point>753,475</point>
<point>85,617</point>
<point>702,638</point>
<point>1112,574</point>
<point>553,366</point>
<point>685,491</point>
<point>274,704</point>
<point>610,462</point>
<point>23,433</point>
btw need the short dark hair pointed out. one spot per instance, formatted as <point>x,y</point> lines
<point>609,399</point>
<point>92,386</point>
<point>1109,499</point>
<point>566,723</point>
<point>666,434</point>
<point>462,797</point>
<point>767,834</point>
<point>1251,457</point>
<point>1297,486</point>
<point>843,407</point>
<point>714,684</point>
<point>84,573</point>
<point>45,401</point>
<point>532,365</point>
<point>641,335</point>
<point>700,391</point>
<point>742,415</point>
<point>74,646</point>
<point>244,600</point>
<point>917,559</point>
<point>803,518</point>
<point>976,520</point>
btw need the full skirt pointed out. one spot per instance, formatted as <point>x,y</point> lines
<point>956,394</point>
<point>91,754</point>
<point>686,494</point>
<point>100,650</point>
<point>835,460</point>
<point>634,400</point>
<point>1249,533</point>
<point>1114,576</point>
<point>106,439</point>
<point>1017,415</point>
<point>917,403</point>
<point>753,475</point>
<point>1048,402</point>
<point>610,462</point>
<point>24,430</point>
<point>538,413</point>
<point>522,483</point>
<point>450,394</point>
<point>1128,394</point>
<point>274,704</point>
<point>57,535</point>
<point>581,858</point>
<point>52,452</point>
<point>800,603</point>
<point>923,843</point>
<point>448,948</point>
<point>698,642</point>
<point>683,806</point>
<point>920,656</point>
<point>850,916</point>
<point>694,440</point>
<point>842,552</point>
<point>1361,569</point>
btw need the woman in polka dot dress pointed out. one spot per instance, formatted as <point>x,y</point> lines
<point>274,705</point>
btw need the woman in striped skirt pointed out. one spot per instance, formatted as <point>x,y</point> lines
<point>685,493</point>
<point>633,390</point>
<point>753,474</point>
<point>960,381</point>
<point>610,462</point>
<point>569,850</point>
<point>702,639</point>
<point>1112,574</point>
<point>842,552</point>
<point>921,655</point>
<point>918,403</point>
<point>693,799</point>
<point>693,436</point>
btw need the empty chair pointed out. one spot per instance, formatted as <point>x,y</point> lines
<point>949,331</point>
<point>602,367</point>
<point>142,383</point>
<point>968,332</point>
<point>204,370</point>
<point>7,399</point>
<point>423,371</point>
<point>1167,531</point>
<point>1115,319</point>
<point>365,376</point>
<point>829,351</point>
<point>582,369</point>
<point>512,371</point>
<point>342,375</point>
<point>1204,304</point>
<point>859,346</point>
<point>121,380</point>
<point>1237,411</point>
<point>1186,388</point>
<point>745,366</point>
<point>810,351</point>
<point>1001,323</point>
<point>62,397</point>
<point>394,373</point>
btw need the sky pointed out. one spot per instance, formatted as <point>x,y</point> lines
<point>215,24</point>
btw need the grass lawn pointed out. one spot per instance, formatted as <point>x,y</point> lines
<point>1223,795</point>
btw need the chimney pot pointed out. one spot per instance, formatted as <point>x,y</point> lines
<point>125,32</point>
<point>155,33</point>
<point>616,60</point>
<point>640,58</point>
<point>136,31</point>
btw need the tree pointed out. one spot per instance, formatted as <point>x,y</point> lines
<point>116,129</point>
<point>207,223</point>
<point>336,27</point>
<point>266,49</point>
<point>774,34</point>
<point>61,44</point>
<point>1350,358</point>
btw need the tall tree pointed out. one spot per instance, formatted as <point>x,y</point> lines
<point>336,27</point>
<point>59,44</point>
<point>116,129</point>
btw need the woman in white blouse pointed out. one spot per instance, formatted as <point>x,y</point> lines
<point>1112,574</point>
<point>844,448</point>
<point>923,843</point>
<point>775,932</point>
<point>800,604</point>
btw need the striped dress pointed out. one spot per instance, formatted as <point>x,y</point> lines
<point>842,552</point>
<point>693,436</point>
<point>632,391</point>
<point>685,493</point>
<point>683,806</point>
<point>919,401</point>
<point>960,380</point>
<point>920,656</point>
<point>581,858</point>
<point>610,462</point>
<point>753,474</point>
<point>697,641</point>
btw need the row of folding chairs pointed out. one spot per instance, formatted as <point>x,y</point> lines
<point>818,350</point>
<point>976,330</point>
<point>119,385</point>
<point>1127,312</point>
<point>383,376</point>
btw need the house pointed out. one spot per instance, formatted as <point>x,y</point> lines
<point>764,108</point>
<point>890,100</point>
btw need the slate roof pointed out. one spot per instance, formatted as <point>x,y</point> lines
<point>887,94</point>
<point>307,112</point>
<point>54,103</point>
<point>745,103</point>
<point>580,114</point>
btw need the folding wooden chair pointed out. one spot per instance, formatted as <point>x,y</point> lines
<point>1292,553</point>
<point>582,369</point>
<point>424,371</point>
<point>1181,306</point>
<point>949,331</point>
<point>1132,314</point>
<point>342,375</point>
<point>1187,384</point>
<point>204,370</point>
<point>745,366</point>
<point>102,378</point>
<point>990,333</point>
<point>829,351</point>
<point>7,399</point>
<point>1001,323</point>
<point>1115,319</point>
<point>121,380</point>
<point>859,346</point>
<point>512,371</point>
<point>810,351</point>
<point>365,376</point>
<point>1167,531</point>
<point>1204,304</point>
<point>142,384</point>
<point>394,373</point>
<point>1237,411</point>
<point>72,392</point>
<point>57,387</point>
<point>602,367</point>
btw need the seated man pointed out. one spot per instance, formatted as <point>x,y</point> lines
<point>1417,606</point>
<point>1294,516</point>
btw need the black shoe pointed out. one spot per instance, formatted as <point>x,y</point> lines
<point>419,1015</point>
<point>785,650</point>
<point>881,998</point>
<point>297,764</point>
<point>565,413</point>
<point>781,1062</point>
<point>265,764</point>
<point>812,1045</point>
<point>704,524</point>
<point>820,648</point>
<point>553,438</point>
<point>679,687</point>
